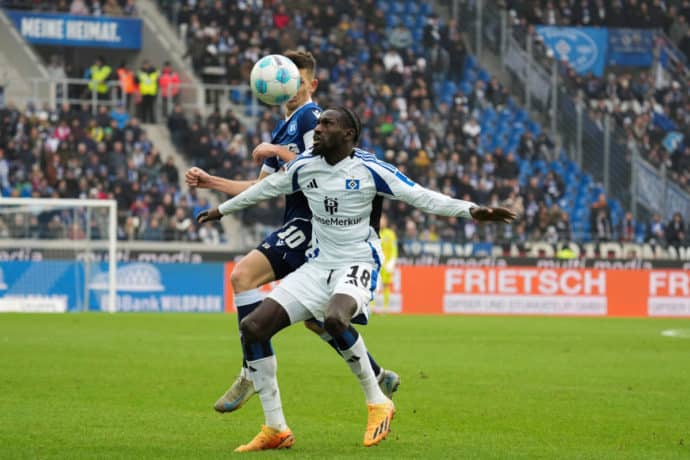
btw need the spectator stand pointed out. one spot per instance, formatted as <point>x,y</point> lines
<point>598,134</point>
<point>68,152</point>
<point>431,110</point>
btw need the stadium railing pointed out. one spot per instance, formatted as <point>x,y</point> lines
<point>191,97</point>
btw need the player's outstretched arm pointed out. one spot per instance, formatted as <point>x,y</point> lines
<point>274,185</point>
<point>197,177</point>
<point>400,187</point>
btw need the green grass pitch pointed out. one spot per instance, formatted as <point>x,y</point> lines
<point>131,386</point>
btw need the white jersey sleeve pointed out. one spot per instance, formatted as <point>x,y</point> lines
<point>282,182</point>
<point>391,183</point>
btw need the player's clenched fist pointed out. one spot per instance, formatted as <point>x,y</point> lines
<point>488,214</point>
<point>197,177</point>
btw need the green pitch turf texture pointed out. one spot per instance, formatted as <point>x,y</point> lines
<point>130,386</point>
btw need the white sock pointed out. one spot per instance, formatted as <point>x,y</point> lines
<point>263,373</point>
<point>245,373</point>
<point>247,298</point>
<point>358,360</point>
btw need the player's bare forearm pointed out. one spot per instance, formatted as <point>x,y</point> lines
<point>229,186</point>
<point>272,186</point>
<point>266,150</point>
<point>285,153</point>
<point>198,178</point>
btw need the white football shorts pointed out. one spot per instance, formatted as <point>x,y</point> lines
<point>305,292</point>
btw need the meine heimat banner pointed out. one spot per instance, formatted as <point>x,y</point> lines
<point>80,31</point>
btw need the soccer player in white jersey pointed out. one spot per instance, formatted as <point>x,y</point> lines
<point>341,183</point>
<point>283,251</point>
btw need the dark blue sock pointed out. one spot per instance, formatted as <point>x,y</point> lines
<point>374,365</point>
<point>346,339</point>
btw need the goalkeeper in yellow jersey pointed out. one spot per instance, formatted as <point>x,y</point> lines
<point>389,245</point>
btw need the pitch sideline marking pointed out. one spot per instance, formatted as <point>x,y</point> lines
<point>677,333</point>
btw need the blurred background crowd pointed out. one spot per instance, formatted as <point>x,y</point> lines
<point>426,106</point>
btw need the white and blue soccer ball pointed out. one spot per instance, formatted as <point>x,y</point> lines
<point>274,79</point>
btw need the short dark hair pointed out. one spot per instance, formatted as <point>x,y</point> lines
<point>304,60</point>
<point>353,120</point>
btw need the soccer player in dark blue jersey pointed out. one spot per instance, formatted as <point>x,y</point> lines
<point>283,251</point>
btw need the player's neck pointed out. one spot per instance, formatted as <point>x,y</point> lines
<point>289,113</point>
<point>337,157</point>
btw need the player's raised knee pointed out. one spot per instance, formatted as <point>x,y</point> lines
<point>252,331</point>
<point>334,325</point>
<point>241,279</point>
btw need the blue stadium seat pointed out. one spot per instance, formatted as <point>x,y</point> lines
<point>236,96</point>
<point>449,87</point>
<point>540,165</point>
<point>521,115</point>
<point>512,145</point>
<point>596,191</point>
<point>466,88</point>
<point>392,20</point>
<point>470,76</point>
<point>488,113</point>
<point>483,75</point>
<point>470,62</point>
<point>557,167</point>
<point>506,114</point>
<point>409,7</point>
<point>409,21</point>
<point>424,9</point>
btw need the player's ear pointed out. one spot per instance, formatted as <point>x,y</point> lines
<point>314,84</point>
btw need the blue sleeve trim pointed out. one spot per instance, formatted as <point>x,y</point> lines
<point>302,156</point>
<point>295,183</point>
<point>381,185</point>
<point>371,158</point>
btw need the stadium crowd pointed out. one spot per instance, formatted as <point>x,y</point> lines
<point>672,16</point>
<point>389,73</point>
<point>391,76</point>
<point>70,153</point>
<point>654,115</point>
<point>79,7</point>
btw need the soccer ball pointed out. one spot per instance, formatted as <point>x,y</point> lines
<point>274,79</point>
